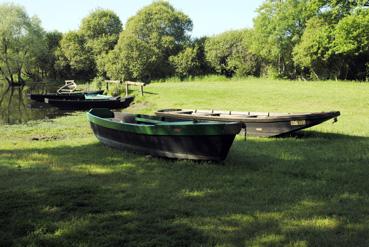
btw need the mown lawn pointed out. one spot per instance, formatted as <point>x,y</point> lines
<point>60,187</point>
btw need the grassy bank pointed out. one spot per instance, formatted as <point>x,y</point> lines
<point>60,187</point>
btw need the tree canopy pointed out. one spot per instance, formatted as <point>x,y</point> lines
<point>81,52</point>
<point>155,33</point>
<point>22,39</point>
<point>307,39</point>
<point>228,53</point>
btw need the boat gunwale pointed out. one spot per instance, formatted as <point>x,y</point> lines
<point>179,129</point>
<point>172,113</point>
<point>66,94</point>
<point>111,99</point>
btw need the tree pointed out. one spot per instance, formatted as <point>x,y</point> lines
<point>334,10</point>
<point>44,63</point>
<point>297,37</point>
<point>53,41</point>
<point>352,43</point>
<point>21,39</point>
<point>155,33</point>
<point>101,30</point>
<point>191,61</point>
<point>132,59</point>
<point>74,56</point>
<point>352,33</point>
<point>277,29</point>
<point>82,53</point>
<point>335,41</point>
<point>313,51</point>
<point>185,62</point>
<point>229,54</point>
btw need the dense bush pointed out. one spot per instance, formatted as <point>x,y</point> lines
<point>228,53</point>
<point>313,39</point>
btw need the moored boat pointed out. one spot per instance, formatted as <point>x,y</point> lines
<point>158,136</point>
<point>71,95</point>
<point>91,101</point>
<point>264,124</point>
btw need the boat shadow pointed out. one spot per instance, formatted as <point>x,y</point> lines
<point>314,134</point>
<point>302,147</point>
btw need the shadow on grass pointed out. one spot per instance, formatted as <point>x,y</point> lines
<point>310,191</point>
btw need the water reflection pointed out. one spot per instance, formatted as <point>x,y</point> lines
<point>16,108</point>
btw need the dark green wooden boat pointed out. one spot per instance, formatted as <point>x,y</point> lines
<point>262,124</point>
<point>91,101</point>
<point>158,136</point>
<point>62,96</point>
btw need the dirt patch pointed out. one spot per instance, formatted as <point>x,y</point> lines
<point>45,138</point>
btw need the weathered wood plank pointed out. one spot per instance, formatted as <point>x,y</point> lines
<point>135,83</point>
<point>113,81</point>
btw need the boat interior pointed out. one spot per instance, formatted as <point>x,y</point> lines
<point>122,117</point>
<point>231,114</point>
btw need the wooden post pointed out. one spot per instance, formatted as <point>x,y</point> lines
<point>110,81</point>
<point>140,84</point>
<point>127,89</point>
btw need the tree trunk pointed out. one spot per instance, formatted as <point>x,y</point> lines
<point>5,77</point>
<point>6,60</point>
<point>19,74</point>
<point>315,74</point>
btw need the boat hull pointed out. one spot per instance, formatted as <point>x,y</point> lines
<point>83,104</point>
<point>213,148</point>
<point>265,126</point>
<point>71,96</point>
<point>279,128</point>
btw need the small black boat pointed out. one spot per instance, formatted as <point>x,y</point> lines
<point>158,136</point>
<point>91,101</point>
<point>70,95</point>
<point>264,124</point>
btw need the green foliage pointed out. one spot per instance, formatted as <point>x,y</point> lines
<point>313,51</point>
<point>185,62</point>
<point>83,53</point>
<point>319,39</point>
<point>44,64</point>
<point>101,23</point>
<point>229,53</point>
<point>21,40</point>
<point>334,10</point>
<point>75,55</point>
<point>277,29</point>
<point>132,59</point>
<point>155,33</point>
<point>101,30</point>
<point>315,39</point>
<point>352,34</point>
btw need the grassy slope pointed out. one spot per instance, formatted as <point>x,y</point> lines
<point>59,186</point>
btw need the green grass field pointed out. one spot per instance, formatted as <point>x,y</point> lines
<point>60,187</point>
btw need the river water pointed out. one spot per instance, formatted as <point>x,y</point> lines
<point>17,108</point>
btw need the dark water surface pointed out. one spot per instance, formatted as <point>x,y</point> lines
<point>17,108</point>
